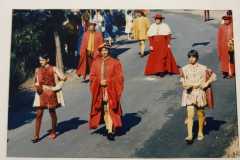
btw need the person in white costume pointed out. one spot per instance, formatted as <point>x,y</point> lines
<point>129,22</point>
<point>98,19</point>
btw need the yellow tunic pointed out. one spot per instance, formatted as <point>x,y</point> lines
<point>90,47</point>
<point>107,116</point>
<point>140,28</point>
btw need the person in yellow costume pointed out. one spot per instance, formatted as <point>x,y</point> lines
<point>140,27</point>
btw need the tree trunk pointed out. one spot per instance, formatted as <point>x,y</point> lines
<point>59,60</point>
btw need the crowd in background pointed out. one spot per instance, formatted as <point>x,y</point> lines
<point>110,22</point>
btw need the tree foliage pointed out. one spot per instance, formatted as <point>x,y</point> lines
<point>32,34</point>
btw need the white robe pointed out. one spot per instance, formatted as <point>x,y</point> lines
<point>98,19</point>
<point>129,22</point>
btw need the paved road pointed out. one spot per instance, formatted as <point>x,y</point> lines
<point>153,117</point>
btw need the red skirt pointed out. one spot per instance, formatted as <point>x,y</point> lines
<point>160,59</point>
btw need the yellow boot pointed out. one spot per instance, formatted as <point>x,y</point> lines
<point>109,124</point>
<point>190,116</point>
<point>201,121</point>
<point>142,48</point>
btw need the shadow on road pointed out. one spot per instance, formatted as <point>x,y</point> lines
<point>68,125</point>
<point>21,111</point>
<point>122,42</point>
<point>168,142</point>
<point>129,121</point>
<point>115,52</point>
<point>212,125</point>
<point>210,19</point>
<point>200,44</point>
<point>146,53</point>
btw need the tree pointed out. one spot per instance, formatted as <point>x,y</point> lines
<point>32,34</point>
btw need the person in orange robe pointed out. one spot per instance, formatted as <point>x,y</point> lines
<point>161,59</point>
<point>225,54</point>
<point>88,51</point>
<point>106,86</point>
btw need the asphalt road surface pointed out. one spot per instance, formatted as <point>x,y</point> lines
<point>153,118</point>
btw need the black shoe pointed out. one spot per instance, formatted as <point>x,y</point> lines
<point>35,140</point>
<point>85,81</point>
<point>110,137</point>
<point>161,74</point>
<point>224,75</point>
<point>189,142</point>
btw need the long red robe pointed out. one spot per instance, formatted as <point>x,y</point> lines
<point>160,59</point>
<point>115,80</point>
<point>225,33</point>
<point>84,61</point>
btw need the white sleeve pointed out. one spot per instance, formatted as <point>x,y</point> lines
<point>101,18</point>
<point>58,86</point>
<point>150,31</point>
<point>94,18</point>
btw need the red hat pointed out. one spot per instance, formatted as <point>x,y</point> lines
<point>158,16</point>
<point>227,17</point>
<point>104,45</point>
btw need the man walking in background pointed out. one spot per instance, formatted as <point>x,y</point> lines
<point>139,30</point>
<point>225,47</point>
<point>90,41</point>
<point>98,19</point>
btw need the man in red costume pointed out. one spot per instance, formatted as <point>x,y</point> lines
<point>161,59</point>
<point>106,86</point>
<point>91,40</point>
<point>225,51</point>
<point>48,83</point>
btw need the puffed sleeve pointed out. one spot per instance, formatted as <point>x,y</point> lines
<point>60,75</point>
<point>213,76</point>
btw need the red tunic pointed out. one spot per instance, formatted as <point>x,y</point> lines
<point>85,61</point>
<point>45,76</point>
<point>114,77</point>
<point>85,25</point>
<point>225,33</point>
<point>160,59</point>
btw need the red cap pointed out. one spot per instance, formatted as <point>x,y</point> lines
<point>158,16</point>
<point>227,17</point>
